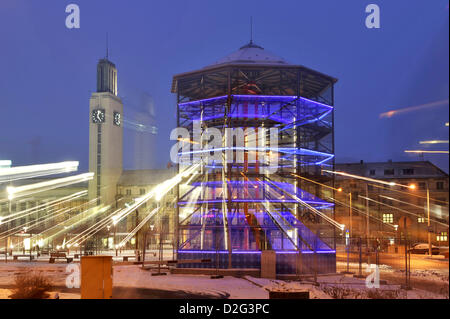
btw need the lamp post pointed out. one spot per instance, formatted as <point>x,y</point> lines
<point>115,238</point>
<point>412,186</point>
<point>351,213</point>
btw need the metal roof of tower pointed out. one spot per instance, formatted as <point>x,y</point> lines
<point>271,73</point>
<point>251,54</point>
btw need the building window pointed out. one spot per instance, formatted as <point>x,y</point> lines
<point>142,191</point>
<point>128,192</point>
<point>388,218</point>
<point>421,219</point>
<point>442,236</point>
<point>408,171</point>
<point>389,172</point>
<point>422,186</point>
<point>440,185</point>
<point>372,172</point>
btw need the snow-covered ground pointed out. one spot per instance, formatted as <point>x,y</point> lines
<point>132,276</point>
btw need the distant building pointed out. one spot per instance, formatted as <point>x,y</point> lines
<point>391,205</point>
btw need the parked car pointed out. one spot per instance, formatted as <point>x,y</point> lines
<point>422,248</point>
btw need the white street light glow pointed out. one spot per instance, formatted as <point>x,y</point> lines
<point>6,163</point>
<point>30,171</point>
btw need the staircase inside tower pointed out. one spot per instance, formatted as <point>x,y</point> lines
<point>239,208</point>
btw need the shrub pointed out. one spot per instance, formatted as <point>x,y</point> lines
<point>383,294</point>
<point>31,286</point>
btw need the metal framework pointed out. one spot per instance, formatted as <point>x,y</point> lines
<point>230,212</point>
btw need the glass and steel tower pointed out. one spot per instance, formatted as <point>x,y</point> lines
<point>254,194</point>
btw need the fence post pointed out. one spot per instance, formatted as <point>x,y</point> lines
<point>315,259</point>
<point>407,286</point>
<point>348,258</point>
<point>348,245</point>
<point>359,275</point>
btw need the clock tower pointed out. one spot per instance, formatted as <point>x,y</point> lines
<point>105,135</point>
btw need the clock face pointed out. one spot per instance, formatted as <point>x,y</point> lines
<point>117,119</point>
<point>98,116</point>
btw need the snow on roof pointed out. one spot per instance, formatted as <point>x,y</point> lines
<point>251,54</point>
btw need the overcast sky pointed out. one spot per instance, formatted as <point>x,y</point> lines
<point>47,72</point>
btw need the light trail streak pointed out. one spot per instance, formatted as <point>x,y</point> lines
<point>21,172</point>
<point>5,163</point>
<point>40,207</point>
<point>412,194</point>
<point>412,108</point>
<point>434,142</point>
<point>400,201</point>
<point>362,212</point>
<point>424,151</point>
<point>32,238</point>
<point>159,191</point>
<point>399,209</point>
<point>369,179</point>
<point>406,203</point>
<point>85,234</point>
<point>328,219</point>
<point>43,219</point>
<point>19,191</point>
<point>281,221</point>
<point>139,226</point>
<point>187,140</point>
<point>95,211</point>
<point>140,127</point>
<point>310,180</point>
<point>192,199</point>
<point>24,226</point>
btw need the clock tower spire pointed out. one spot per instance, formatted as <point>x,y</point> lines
<point>105,135</point>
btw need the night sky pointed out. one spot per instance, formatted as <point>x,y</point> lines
<point>47,72</point>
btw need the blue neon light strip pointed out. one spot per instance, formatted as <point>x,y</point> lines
<point>212,201</point>
<point>254,252</point>
<point>284,98</point>
<point>290,188</point>
<point>286,150</point>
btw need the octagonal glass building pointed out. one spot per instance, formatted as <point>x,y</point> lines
<point>260,130</point>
